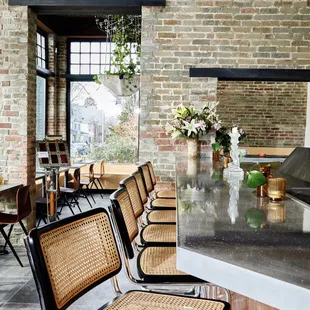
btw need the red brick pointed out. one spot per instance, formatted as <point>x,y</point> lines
<point>5,125</point>
<point>166,148</point>
<point>6,83</point>
<point>4,71</point>
<point>10,113</point>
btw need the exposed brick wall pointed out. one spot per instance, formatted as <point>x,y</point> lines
<point>17,99</point>
<point>61,87</point>
<point>273,114</point>
<point>247,34</point>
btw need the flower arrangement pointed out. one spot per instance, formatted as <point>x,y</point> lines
<point>222,139</point>
<point>191,123</point>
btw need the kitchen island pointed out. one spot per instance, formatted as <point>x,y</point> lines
<point>221,240</point>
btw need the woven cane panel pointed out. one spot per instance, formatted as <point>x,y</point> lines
<point>166,194</point>
<point>134,195</point>
<point>147,178</point>
<point>159,233</point>
<point>149,301</point>
<point>162,216</point>
<point>128,215</point>
<point>152,172</point>
<point>160,202</point>
<point>159,261</point>
<point>141,187</point>
<point>79,254</point>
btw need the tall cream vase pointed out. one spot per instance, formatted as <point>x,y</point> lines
<point>192,145</point>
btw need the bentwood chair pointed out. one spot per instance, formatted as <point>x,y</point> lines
<point>89,182</point>
<point>72,256</point>
<point>161,193</point>
<point>153,234</point>
<point>23,205</point>
<point>98,176</point>
<point>155,216</point>
<point>157,203</point>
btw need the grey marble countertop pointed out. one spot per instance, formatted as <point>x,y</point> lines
<point>211,222</point>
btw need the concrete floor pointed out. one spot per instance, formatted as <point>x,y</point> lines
<point>17,287</point>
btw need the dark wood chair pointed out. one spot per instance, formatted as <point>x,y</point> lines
<point>23,205</point>
<point>71,256</point>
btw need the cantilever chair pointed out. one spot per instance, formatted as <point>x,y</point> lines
<point>23,205</point>
<point>162,193</point>
<point>153,234</point>
<point>157,203</point>
<point>72,256</point>
<point>155,216</point>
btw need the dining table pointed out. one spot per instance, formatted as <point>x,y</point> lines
<point>226,235</point>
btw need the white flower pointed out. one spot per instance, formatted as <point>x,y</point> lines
<point>191,127</point>
<point>217,126</point>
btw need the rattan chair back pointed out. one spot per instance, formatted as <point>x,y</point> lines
<point>153,177</point>
<point>147,177</point>
<point>71,256</point>
<point>91,173</point>
<point>141,186</point>
<point>132,188</point>
<point>125,219</point>
<point>23,202</point>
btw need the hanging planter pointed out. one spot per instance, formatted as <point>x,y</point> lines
<point>125,33</point>
<point>120,87</point>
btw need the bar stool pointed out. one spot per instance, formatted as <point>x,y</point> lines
<point>23,205</point>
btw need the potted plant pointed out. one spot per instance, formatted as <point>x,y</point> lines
<point>192,124</point>
<point>123,79</point>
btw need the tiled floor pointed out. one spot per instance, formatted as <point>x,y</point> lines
<point>18,290</point>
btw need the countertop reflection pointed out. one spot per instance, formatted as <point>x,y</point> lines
<point>215,218</point>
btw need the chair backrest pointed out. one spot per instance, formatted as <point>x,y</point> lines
<point>132,188</point>
<point>23,202</point>
<point>125,219</point>
<point>91,173</point>
<point>141,186</point>
<point>102,167</point>
<point>153,177</point>
<point>147,177</point>
<point>71,256</point>
<point>76,178</point>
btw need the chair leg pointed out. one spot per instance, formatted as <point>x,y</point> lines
<point>85,196</point>
<point>68,203</point>
<point>75,199</point>
<point>97,188</point>
<point>7,240</point>
<point>91,195</point>
<point>23,227</point>
<point>9,235</point>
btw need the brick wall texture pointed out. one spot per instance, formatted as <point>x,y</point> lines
<point>273,114</point>
<point>218,33</point>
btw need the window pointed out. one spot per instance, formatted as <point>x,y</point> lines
<point>40,108</point>
<point>41,50</point>
<point>94,57</point>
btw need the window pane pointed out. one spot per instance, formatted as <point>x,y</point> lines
<point>39,51</point>
<point>105,58</point>
<point>38,39</point>
<point>84,69</point>
<point>43,64</point>
<point>85,47</point>
<point>75,58</point>
<point>95,47</point>
<point>95,58</point>
<point>85,59</point>
<point>75,69</point>
<point>40,108</point>
<point>75,47</point>
<point>42,41</point>
<point>94,69</point>
<point>104,46</point>
<point>43,53</point>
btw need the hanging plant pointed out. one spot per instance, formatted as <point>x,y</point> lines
<point>125,33</point>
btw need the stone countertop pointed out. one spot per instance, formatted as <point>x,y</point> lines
<point>212,230</point>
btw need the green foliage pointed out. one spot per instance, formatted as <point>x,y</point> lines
<point>216,147</point>
<point>255,178</point>
<point>117,150</point>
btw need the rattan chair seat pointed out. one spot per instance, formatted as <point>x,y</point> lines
<point>156,264</point>
<point>158,233</point>
<point>166,194</point>
<point>161,216</point>
<point>164,203</point>
<point>154,301</point>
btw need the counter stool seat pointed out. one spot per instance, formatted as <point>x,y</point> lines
<point>161,216</point>
<point>158,264</point>
<point>159,301</point>
<point>160,203</point>
<point>158,234</point>
<point>166,194</point>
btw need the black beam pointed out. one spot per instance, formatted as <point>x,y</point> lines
<point>89,3</point>
<point>78,77</point>
<point>240,74</point>
<point>44,72</point>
